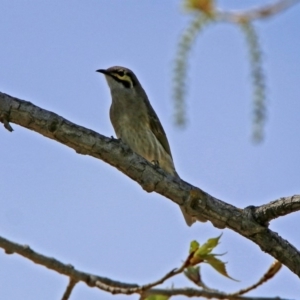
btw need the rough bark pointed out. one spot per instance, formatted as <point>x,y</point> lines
<point>152,179</point>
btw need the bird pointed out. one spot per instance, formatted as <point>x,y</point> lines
<point>136,123</point>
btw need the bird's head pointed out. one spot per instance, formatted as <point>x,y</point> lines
<point>120,78</point>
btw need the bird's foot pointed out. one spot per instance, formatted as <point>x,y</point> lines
<point>155,163</point>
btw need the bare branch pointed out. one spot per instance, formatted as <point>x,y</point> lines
<point>190,292</point>
<point>141,289</point>
<point>194,275</point>
<point>69,289</point>
<point>55,265</point>
<point>106,284</point>
<point>278,208</point>
<point>152,179</point>
<point>272,271</point>
<point>255,14</point>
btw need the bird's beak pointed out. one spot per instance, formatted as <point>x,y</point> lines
<point>103,71</point>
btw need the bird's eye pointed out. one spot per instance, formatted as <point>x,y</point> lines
<point>121,73</point>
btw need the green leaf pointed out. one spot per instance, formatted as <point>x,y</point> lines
<point>218,265</point>
<point>194,246</point>
<point>213,242</point>
<point>193,274</point>
<point>207,247</point>
<point>203,254</point>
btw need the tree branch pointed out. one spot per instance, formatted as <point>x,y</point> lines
<point>256,13</point>
<point>278,208</point>
<point>190,292</point>
<point>61,268</point>
<point>152,179</point>
<point>272,271</point>
<point>69,289</point>
<point>141,289</point>
<point>109,285</point>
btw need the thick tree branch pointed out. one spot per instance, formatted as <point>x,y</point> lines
<point>197,202</point>
<point>256,13</point>
<point>109,285</point>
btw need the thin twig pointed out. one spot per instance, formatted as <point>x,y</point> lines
<point>55,265</point>
<point>272,271</point>
<point>275,209</point>
<point>256,13</point>
<point>191,292</point>
<point>141,289</point>
<point>103,283</point>
<point>110,285</point>
<point>69,289</point>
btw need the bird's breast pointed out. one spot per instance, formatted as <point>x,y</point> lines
<point>128,116</point>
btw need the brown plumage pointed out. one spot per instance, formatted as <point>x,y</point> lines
<point>136,123</point>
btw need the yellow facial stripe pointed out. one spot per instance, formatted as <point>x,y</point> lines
<point>123,78</point>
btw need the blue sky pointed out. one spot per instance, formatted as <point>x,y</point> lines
<point>84,212</point>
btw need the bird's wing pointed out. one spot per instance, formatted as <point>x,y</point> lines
<point>157,128</point>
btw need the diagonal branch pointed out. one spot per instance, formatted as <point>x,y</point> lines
<point>272,271</point>
<point>141,289</point>
<point>61,268</point>
<point>256,13</point>
<point>275,209</point>
<point>152,179</point>
<point>109,285</point>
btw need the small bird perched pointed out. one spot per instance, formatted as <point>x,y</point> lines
<point>136,123</point>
